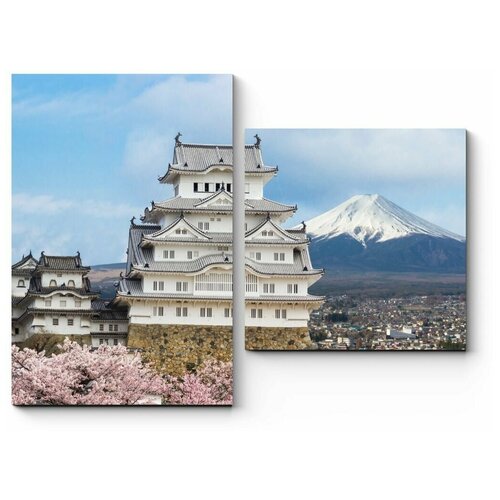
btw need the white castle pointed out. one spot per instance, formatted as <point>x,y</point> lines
<point>179,265</point>
<point>52,295</point>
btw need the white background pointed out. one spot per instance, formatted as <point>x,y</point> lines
<point>305,425</point>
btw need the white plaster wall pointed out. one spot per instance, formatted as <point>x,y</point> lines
<point>20,291</point>
<point>254,187</point>
<point>297,315</point>
<point>122,326</point>
<point>281,286</point>
<point>169,283</point>
<point>56,299</point>
<point>61,277</point>
<point>181,251</point>
<point>268,253</point>
<point>43,324</point>
<point>142,313</point>
<point>186,183</point>
<point>110,340</point>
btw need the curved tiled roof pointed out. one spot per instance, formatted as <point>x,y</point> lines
<point>181,204</point>
<point>190,158</point>
<point>301,265</point>
<point>61,263</point>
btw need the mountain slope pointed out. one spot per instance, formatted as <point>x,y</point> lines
<point>369,232</point>
<point>373,217</point>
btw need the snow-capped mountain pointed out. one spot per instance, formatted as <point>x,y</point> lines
<point>370,232</point>
<point>371,217</point>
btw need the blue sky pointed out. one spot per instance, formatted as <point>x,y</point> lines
<point>422,170</point>
<point>87,151</point>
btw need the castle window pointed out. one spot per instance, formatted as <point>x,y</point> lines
<point>71,283</point>
<point>256,313</point>
<point>228,312</point>
<point>158,286</point>
<point>101,327</point>
<point>280,313</point>
<point>59,275</point>
<point>101,341</point>
<point>48,303</point>
<point>181,286</point>
<point>222,249</point>
<point>115,341</point>
<point>279,256</point>
<point>16,331</point>
<point>264,233</point>
<point>258,256</point>
<point>115,328</point>
<point>228,186</point>
<point>78,303</point>
<point>205,312</point>
<point>55,321</point>
<point>176,190</point>
<point>292,288</point>
<point>70,321</point>
<point>157,311</point>
<point>52,283</point>
<point>21,284</point>
<point>250,283</point>
<point>110,328</point>
<point>269,287</point>
<point>181,311</point>
<point>169,254</point>
<point>195,187</point>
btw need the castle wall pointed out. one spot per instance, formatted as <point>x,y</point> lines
<point>177,349</point>
<point>277,339</point>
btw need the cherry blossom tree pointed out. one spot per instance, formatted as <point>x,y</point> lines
<point>110,375</point>
<point>212,384</point>
<point>78,375</point>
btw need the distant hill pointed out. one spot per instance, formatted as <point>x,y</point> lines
<point>104,276</point>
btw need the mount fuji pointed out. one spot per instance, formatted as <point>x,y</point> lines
<point>371,233</point>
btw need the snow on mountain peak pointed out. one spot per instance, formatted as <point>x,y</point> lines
<point>375,218</point>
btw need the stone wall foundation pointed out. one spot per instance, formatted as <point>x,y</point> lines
<point>259,338</point>
<point>177,349</point>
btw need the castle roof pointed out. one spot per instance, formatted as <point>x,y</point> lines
<point>61,263</point>
<point>25,266</point>
<point>143,262</point>
<point>197,158</point>
<point>191,205</point>
<point>104,311</point>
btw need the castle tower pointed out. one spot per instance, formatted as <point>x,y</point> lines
<point>279,271</point>
<point>52,295</point>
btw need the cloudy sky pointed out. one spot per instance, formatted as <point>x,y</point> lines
<point>422,170</point>
<point>87,151</point>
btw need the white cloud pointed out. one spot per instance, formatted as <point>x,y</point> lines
<point>42,204</point>
<point>39,204</point>
<point>399,155</point>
